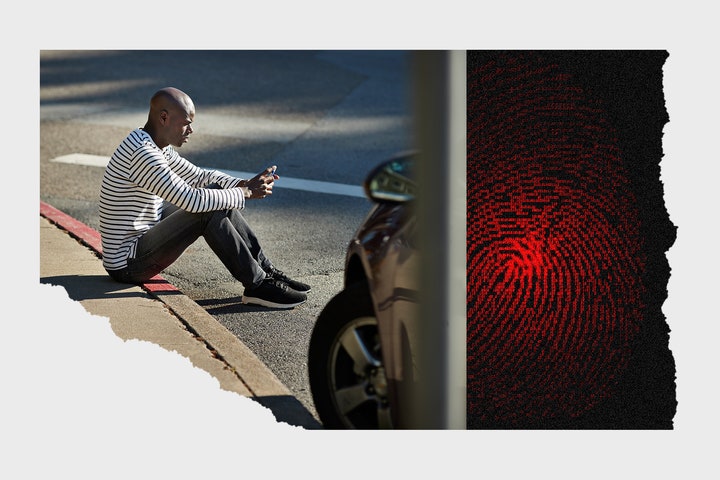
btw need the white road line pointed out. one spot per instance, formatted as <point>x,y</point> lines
<point>83,159</point>
<point>284,182</point>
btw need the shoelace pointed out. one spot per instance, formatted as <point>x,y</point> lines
<point>278,283</point>
<point>275,273</point>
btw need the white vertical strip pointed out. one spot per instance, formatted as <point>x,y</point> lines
<point>457,226</point>
<point>438,400</point>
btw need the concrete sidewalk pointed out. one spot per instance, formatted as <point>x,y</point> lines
<point>159,313</point>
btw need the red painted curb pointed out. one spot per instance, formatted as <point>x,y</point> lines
<point>76,228</point>
<point>91,238</point>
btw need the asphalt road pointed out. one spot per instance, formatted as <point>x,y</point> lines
<point>319,116</point>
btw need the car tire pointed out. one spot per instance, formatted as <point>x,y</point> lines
<point>345,367</point>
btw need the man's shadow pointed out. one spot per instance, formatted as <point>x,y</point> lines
<point>220,306</point>
<point>92,287</point>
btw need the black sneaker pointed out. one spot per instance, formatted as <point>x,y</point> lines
<point>294,284</point>
<point>273,293</point>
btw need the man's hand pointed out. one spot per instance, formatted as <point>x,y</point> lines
<point>261,185</point>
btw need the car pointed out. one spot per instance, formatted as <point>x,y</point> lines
<point>361,361</point>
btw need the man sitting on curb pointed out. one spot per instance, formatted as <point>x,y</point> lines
<point>155,203</point>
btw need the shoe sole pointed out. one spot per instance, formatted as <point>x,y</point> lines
<point>265,303</point>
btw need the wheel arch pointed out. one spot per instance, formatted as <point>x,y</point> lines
<point>355,270</point>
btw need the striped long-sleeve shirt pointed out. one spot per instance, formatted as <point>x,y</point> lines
<point>138,177</point>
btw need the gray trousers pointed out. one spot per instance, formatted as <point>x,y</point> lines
<point>225,231</point>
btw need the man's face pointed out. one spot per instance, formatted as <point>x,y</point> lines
<point>178,127</point>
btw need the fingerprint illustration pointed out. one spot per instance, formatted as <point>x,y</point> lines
<point>554,251</point>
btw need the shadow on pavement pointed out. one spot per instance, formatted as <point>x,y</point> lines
<point>86,287</point>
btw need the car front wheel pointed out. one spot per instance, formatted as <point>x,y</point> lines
<point>346,372</point>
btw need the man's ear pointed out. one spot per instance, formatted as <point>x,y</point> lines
<point>164,116</point>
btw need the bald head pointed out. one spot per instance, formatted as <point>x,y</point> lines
<point>171,113</point>
<point>170,98</point>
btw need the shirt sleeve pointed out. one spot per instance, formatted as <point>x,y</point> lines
<point>181,183</point>
<point>198,177</point>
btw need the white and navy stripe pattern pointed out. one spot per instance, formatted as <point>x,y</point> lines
<point>138,177</point>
